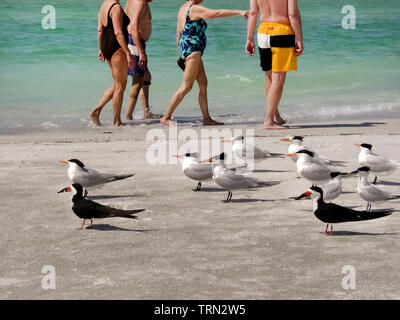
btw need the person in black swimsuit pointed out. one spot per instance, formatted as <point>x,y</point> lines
<point>113,39</point>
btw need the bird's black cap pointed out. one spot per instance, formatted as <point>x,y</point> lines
<point>310,153</point>
<point>77,162</point>
<point>317,189</point>
<point>335,174</point>
<point>220,156</point>
<point>190,154</point>
<point>78,188</point>
<point>366,145</point>
<point>298,138</point>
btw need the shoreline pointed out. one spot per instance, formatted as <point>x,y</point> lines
<point>140,128</point>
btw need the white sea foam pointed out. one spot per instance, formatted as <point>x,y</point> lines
<point>235,77</point>
<point>49,124</point>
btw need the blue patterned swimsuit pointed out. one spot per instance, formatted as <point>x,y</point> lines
<point>193,37</point>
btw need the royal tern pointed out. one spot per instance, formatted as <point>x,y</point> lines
<point>297,145</point>
<point>375,163</point>
<point>194,169</point>
<point>229,180</point>
<point>368,192</point>
<point>333,188</point>
<point>331,213</point>
<point>249,152</point>
<point>89,178</point>
<point>309,168</point>
<point>88,209</point>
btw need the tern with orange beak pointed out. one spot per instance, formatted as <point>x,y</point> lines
<point>249,152</point>
<point>89,178</point>
<point>375,163</point>
<point>309,168</point>
<point>196,170</point>
<point>368,192</point>
<point>230,180</point>
<point>296,144</point>
<point>333,188</point>
<point>88,209</point>
<point>331,213</point>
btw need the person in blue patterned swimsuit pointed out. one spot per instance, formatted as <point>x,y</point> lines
<point>191,41</point>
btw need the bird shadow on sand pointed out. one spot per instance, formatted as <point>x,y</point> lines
<point>255,200</point>
<point>271,171</point>
<point>354,233</point>
<point>387,183</point>
<point>112,196</point>
<point>211,190</point>
<point>337,125</point>
<point>107,227</point>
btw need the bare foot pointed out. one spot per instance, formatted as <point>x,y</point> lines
<point>128,117</point>
<point>274,126</point>
<point>280,121</point>
<point>211,122</point>
<point>150,115</point>
<point>119,124</point>
<point>167,122</point>
<point>95,115</point>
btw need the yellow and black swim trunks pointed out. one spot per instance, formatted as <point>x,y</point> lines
<point>276,43</point>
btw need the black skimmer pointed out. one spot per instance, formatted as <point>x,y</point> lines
<point>196,170</point>
<point>89,178</point>
<point>368,192</point>
<point>375,163</point>
<point>88,209</point>
<point>331,213</point>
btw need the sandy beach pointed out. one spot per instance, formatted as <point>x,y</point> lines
<point>189,245</point>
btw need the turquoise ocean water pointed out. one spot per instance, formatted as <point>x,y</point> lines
<point>51,79</point>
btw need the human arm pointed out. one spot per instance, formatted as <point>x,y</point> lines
<point>100,37</point>
<point>135,13</point>
<point>178,32</point>
<point>117,17</point>
<point>295,22</point>
<point>199,12</point>
<point>251,26</point>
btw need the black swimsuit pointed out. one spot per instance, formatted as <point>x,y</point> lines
<point>109,43</point>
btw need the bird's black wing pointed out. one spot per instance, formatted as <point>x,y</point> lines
<point>333,213</point>
<point>88,209</point>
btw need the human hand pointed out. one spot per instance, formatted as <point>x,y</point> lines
<point>299,48</point>
<point>130,60</point>
<point>244,14</point>
<point>101,57</point>
<point>142,60</point>
<point>250,47</point>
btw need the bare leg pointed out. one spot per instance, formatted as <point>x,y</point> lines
<point>268,80</point>
<point>107,96</point>
<point>203,100</point>
<point>119,66</point>
<point>137,84</point>
<point>144,96</point>
<point>193,63</point>
<point>274,89</point>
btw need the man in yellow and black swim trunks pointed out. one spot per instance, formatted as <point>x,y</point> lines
<point>280,42</point>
